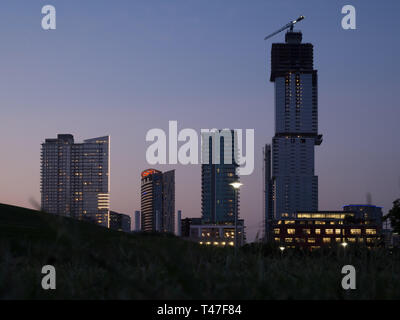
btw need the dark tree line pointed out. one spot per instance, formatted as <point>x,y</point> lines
<point>394,216</point>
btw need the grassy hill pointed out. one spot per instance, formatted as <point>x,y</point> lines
<point>96,263</point>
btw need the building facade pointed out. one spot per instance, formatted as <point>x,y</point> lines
<point>314,230</point>
<point>369,213</point>
<point>137,221</point>
<point>185,226</point>
<point>218,235</point>
<point>75,178</point>
<point>268,192</point>
<point>120,221</point>
<point>158,201</point>
<point>293,180</point>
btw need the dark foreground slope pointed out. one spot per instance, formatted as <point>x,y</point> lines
<point>95,263</point>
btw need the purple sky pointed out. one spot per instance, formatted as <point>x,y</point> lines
<point>124,67</point>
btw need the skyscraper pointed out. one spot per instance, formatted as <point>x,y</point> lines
<point>158,201</point>
<point>75,178</point>
<point>218,170</point>
<point>293,180</point>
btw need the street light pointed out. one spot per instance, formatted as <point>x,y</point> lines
<point>236,185</point>
<point>282,248</point>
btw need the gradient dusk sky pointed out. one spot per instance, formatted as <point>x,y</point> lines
<point>121,68</point>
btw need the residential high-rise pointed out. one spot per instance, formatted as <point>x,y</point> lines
<point>75,178</point>
<point>218,170</point>
<point>158,201</point>
<point>293,180</point>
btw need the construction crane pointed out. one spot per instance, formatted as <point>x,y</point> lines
<point>289,25</point>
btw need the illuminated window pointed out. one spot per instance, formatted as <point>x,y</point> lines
<point>288,239</point>
<point>307,231</point>
<point>304,215</point>
<point>338,239</point>
<point>329,231</point>
<point>326,240</point>
<point>289,222</point>
<point>355,231</point>
<point>317,231</point>
<point>277,230</point>
<point>370,231</point>
<point>351,239</point>
<point>291,231</point>
<point>337,231</point>
<point>277,239</point>
<point>311,240</point>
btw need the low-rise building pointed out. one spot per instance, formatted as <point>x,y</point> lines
<point>120,221</point>
<point>185,226</point>
<point>218,234</point>
<point>324,228</point>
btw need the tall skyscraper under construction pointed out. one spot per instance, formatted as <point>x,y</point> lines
<point>292,185</point>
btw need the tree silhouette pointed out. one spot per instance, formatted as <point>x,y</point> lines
<point>394,216</point>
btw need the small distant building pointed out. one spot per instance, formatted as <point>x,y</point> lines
<point>137,221</point>
<point>179,219</point>
<point>185,226</point>
<point>120,221</point>
<point>315,229</point>
<point>218,234</point>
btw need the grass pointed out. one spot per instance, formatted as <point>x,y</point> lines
<point>96,263</point>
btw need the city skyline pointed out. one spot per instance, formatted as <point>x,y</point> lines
<point>186,63</point>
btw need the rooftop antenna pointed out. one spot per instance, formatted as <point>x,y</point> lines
<point>289,26</point>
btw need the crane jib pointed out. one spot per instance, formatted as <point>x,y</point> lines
<point>289,25</point>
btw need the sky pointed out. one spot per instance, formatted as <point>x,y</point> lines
<point>121,68</point>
